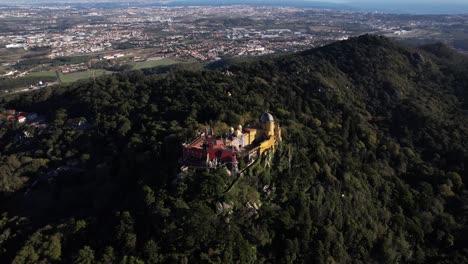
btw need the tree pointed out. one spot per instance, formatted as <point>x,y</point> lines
<point>60,117</point>
<point>125,232</point>
<point>131,260</point>
<point>108,257</point>
<point>151,252</point>
<point>149,197</point>
<point>53,248</point>
<point>84,256</point>
<point>26,255</point>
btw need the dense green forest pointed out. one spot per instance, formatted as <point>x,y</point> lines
<point>372,167</point>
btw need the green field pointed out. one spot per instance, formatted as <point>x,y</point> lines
<point>154,63</point>
<point>50,76</point>
<point>42,74</point>
<point>5,68</point>
<point>75,76</point>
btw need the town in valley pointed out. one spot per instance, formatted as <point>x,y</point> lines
<point>48,45</point>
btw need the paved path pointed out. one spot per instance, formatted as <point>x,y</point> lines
<point>26,89</point>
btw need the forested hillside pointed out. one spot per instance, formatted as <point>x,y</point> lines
<point>372,168</point>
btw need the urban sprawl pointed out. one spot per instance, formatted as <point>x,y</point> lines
<point>144,35</point>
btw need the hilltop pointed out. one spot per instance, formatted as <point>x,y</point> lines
<point>372,166</point>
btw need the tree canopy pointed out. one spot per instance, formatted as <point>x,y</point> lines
<point>372,167</point>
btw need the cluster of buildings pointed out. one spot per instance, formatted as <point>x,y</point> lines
<point>198,32</point>
<point>33,119</point>
<point>113,56</point>
<point>22,117</point>
<point>211,151</point>
<point>73,68</point>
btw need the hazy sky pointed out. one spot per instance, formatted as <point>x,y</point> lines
<point>285,1</point>
<point>406,1</point>
<point>373,2</point>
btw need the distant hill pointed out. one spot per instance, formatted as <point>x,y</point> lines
<point>372,167</point>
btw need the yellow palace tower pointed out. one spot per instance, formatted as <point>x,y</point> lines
<point>271,131</point>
